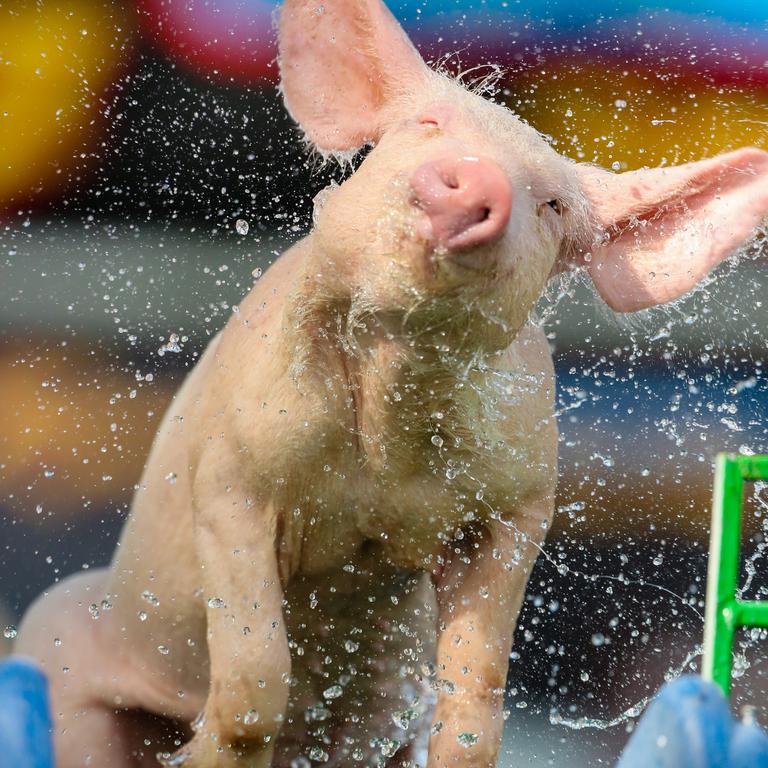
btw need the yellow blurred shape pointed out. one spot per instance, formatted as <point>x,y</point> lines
<point>629,119</point>
<point>74,432</point>
<point>57,60</point>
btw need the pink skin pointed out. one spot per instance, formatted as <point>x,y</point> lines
<point>692,215</point>
<point>467,201</point>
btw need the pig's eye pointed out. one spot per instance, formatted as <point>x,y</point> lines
<point>556,206</point>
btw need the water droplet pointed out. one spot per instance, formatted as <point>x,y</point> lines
<point>404,718</point>
<point>436,440</point>
<point>467,739</point>
<point>10,632</point>
<point>150,597</point>
<point>242,227</point>
<point>198,723</point>
<point>251,717</point>
<point>350,646</point>
<point>215,602</point>
<point>748,714</point>
<point>318,755</point>
<point>388,747</point>
<point>256,274</point>
<point>333,692</point>
<point>740,665</point>
<point>300,762</point>
<point>164,649</point>
<point>316,713</point>
<point>168,759</point>
<point>172,345</point>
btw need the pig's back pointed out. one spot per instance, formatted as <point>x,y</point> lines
<point>155,586</point>
<point>158,615</point>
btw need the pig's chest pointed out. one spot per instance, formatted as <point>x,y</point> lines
<point>409,513</point>
<point>412,473</point>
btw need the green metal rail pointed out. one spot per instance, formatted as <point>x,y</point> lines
<point>724,613</point>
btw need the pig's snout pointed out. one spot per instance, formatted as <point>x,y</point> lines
<point>466,201</point>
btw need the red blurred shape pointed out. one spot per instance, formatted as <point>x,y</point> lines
<point>231,39</point>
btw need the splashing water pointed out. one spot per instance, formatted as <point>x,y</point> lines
<point>577,724</point>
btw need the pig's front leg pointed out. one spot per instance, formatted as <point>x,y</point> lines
<point>247,642</point>
<point>479,595</point>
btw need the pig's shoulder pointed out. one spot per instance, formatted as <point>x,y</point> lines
<point>528,358</point>
<point>523,400</point>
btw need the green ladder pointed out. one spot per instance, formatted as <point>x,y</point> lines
<point>724,613</point>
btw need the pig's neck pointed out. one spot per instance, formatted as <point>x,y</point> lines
<point>402,393</point>
<point>403,384</point>
<point>406,393</point>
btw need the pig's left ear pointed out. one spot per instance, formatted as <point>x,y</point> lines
<point>342,62</point>
<point>664,229</point>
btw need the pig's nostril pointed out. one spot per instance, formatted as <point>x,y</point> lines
<point>467,201</point>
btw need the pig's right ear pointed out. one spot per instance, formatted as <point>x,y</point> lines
<point>342,63</point>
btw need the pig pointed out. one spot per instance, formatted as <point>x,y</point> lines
<point>327,552</point>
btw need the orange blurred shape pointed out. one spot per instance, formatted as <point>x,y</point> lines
<point>57,62</point>
<point>627,116</point>
<point>74,432</point>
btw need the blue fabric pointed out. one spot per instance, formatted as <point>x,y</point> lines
<point>25,719</point>
<point>688,725</point>
<point>749,747</point>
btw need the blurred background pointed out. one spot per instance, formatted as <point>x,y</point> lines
<point>134,136</point>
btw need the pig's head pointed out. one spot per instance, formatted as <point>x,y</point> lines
<point>463,212</point>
